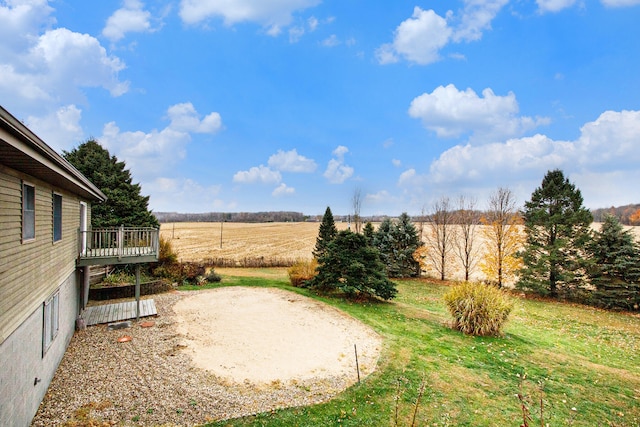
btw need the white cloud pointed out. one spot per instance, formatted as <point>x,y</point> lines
<point>337,171</point>
<point>291,161</point>
<point>60,129</point>
<point>382,197</point>
<point>258,174</point>
<point>395,162</point>
<point>331,41</point>
<point>410,178</point>
<point>312,23</point>
<point>620,3</point>
<point>146,153</point>
<point>272,14</point>
<point>181,194</point>
<point>418,39</point>
<point>553,5</point>
<point>283,190</point>
<point>184,117</point>
<point>476,17</point>
<point>130,18</point>
<point>603,161</point>
<point>44,69</point>
<point>450,112</point>
<point>295,34</point>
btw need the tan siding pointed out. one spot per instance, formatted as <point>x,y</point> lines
<point>31,271</point>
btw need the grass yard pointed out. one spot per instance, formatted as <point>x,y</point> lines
<point>583,363</point>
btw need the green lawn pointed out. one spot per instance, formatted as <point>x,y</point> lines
<point>584,363</point>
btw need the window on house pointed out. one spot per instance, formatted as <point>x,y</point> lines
<point>50,321</point>
<point>28,212</point>
<point>57,217</point>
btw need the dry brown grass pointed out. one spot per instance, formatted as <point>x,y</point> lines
<point>285,241</point>
<point>277,243</point>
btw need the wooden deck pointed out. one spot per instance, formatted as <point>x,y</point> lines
<point>108,313</point>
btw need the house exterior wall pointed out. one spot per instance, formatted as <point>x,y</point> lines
<point>26,373</point>
<point>30,273</point>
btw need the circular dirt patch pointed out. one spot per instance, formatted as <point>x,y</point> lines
<point>265,335</point>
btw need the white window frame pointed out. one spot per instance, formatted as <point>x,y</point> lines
<point>50,321</point>
<point>58,218</point>
<point>25,211</point>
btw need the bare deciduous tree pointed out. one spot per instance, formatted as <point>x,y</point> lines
<point>503,234</point>
<point>439,236</point>
<point>356,203</point>
<point>467,219</point>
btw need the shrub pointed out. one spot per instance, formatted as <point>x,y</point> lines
<point>166,253</point>
<point>302,271</point>
<point>213,277</point>
<point>478,309</point>
<point>181,272</point>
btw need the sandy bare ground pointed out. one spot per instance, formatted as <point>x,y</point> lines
<point>210,355</point>
<point>264,335</point>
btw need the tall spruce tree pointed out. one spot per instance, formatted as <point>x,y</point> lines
<point>383,241</point>
<point>406,241</point>
<point>326,233</point>
<point>125,205</point>
<point>369,232</point>
<point>615,271</point>
<point>353,267</point>
<point>397,241</point>
<point>557,230</point>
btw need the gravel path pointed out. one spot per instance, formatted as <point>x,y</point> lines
<point>152,380</point>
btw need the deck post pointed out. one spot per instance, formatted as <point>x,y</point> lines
<point>86,276</point>
<point>137,292</point>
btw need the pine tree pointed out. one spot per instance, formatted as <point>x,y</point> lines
<point>557,230</point>
<point>383,241</point>
<point>125,205</point>
<point>353,267</point>
<point>397,241</point>
<point>326,233</point>
<point>369,233</point>
<point>406,241</point>
<point>616,266</point>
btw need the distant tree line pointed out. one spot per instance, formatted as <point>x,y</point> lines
<point>281,216</point>
<point>271,216</point>
<point>627,214</point>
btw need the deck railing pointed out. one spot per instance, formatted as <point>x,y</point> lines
<point>119,243</point>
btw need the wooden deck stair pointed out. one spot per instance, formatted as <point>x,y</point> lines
<point>108,313</point>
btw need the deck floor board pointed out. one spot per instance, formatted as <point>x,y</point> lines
<point>109,313</point>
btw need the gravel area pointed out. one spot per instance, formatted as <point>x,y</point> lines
<point>153,380</point>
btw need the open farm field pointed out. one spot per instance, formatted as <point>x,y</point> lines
<point>278,243</point>
<point>234,244</point>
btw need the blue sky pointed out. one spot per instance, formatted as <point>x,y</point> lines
<point>260,105</point>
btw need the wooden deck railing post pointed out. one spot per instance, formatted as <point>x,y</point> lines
<point>120,241</point>
<point>137,292</point>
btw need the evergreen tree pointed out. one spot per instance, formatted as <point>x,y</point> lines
<point>326,233</point>
<point>351,266</point>
<point>406,241</point>
<point>383,241</point>
<point>369,233</point>
<point>557,230</point>
<point>124,205</point>
<point>397,242</point>
<point>616,266</point>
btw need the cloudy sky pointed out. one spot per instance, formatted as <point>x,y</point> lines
<point>259,105</point>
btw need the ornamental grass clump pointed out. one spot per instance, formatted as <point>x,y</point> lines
<point>302,271</point>
<point>478,309</point>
